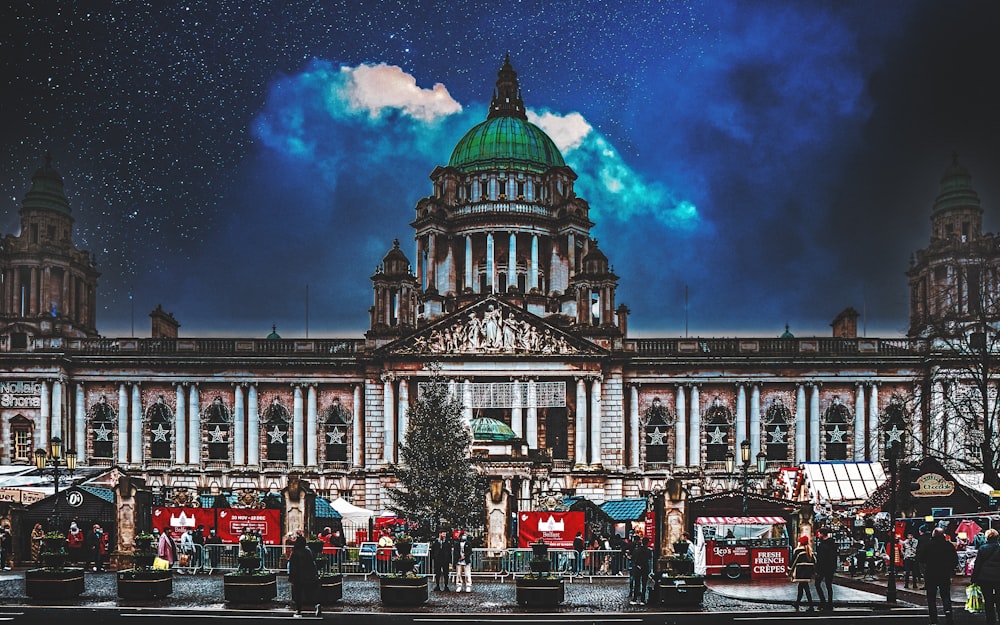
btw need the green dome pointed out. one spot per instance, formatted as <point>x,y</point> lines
<point>487,429</point>
<point>506,143</point>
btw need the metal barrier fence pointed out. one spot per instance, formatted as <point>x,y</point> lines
<point>498,564</point>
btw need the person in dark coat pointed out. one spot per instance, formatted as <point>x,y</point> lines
<point>826,555</point>
<point>578,547</point>
<point>922,541</point>
<point>441,559</point>
<point>303,576</point>
<point>941,559</point>
<point>986,573</point>
<point>642,560</point>
<point>801,570</point>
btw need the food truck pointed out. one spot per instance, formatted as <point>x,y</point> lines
<point>734,546</point>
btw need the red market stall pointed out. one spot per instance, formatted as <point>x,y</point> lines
<point>732,546</point>
<point>558,529</point>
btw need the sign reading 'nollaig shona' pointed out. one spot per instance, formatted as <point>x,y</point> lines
<point>20,394</point>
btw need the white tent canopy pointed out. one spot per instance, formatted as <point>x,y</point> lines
<point>352,514</point>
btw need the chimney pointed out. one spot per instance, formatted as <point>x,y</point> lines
<point>164,324</point>
<point>845,325</point>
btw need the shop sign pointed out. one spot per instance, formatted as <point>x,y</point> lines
<point>933,485</point>
<point>768,563</point>
<point>16,495</point>
<point>20,394</point>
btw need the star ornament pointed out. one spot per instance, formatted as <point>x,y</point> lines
<point>777,436</point>
<point>895,435</point>
<point>335,437</point>
<point>276,435</point>
<point>103,433</point>
<point>837,435</point>
<point>718,437</point>
<point>160,433</point>
<point>656,437</point>
<point>217,435</point>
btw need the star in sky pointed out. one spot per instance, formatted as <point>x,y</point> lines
<point>656,437</point>
<point>276,435</point>
<point>103,433</point>
<point>159,433</point>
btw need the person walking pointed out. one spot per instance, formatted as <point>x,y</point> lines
<point>213,544</point>
<point>100,544</point>
<point>910,569</point>
<point>463,563</point>
<point>642,559</point>
<point>441,559</point>
<point>826,555</point>
<point>941,560</point>
<point>801,570</point>
<point>186,558</point>
<point>578,547</point>
<point>986,573</point>
<point>201,558</point>
<point>923,539</point>
<point>166,548</point>
<point>37,540</point>
<point>303,577</point>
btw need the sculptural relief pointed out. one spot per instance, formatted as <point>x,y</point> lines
<point>490,332</point>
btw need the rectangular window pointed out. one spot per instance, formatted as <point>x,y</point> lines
<point>22,445</point>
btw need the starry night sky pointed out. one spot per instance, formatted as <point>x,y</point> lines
<point>779,159</point>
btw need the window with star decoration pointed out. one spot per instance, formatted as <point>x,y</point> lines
<point>895,418</point>
<point>102,428</point>
<point>276,431</point>
<point>218,421</point>
<point>161,422</point>
<point>718,431</point>
<point>336,426</point>
<point>837,428</point>
<point>777,430</point>
<point>659,422</point>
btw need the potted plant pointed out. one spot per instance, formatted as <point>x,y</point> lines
<point>331,581</point>
<point>540,587</point>
<point>143,581</point>
<point>404,587</point>
<point>249,583</point>
<point>54,580</point>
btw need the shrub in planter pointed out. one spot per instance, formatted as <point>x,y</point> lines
<point>249,584</point>
<point>143,581</point>
<point>404,590</point>
<point>539,590</point>
<point>54,580</point>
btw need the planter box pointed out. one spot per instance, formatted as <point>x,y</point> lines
<point>239,588</point>
<point>145,584</point>
<point>679,591</point>
<point>53,583</point>
<point>539,592</point>
<point>331,589</point>
<point>404,591</point>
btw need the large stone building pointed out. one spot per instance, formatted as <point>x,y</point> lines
<point>514,301</point>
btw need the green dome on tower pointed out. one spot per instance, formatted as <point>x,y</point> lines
<point>487,429</point>
<point>506,140</point>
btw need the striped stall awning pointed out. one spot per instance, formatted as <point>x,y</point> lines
<point>739,520</point>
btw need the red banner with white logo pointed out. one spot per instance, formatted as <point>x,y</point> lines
<point>558,529</point>
<point>228,522</point>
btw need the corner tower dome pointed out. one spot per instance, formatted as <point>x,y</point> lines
<point>46,191</point>
<point>506,140</point>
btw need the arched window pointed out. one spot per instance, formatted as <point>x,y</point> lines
<point>659,421</point>
<point>161,424</point>
<point>102,428</point>
<point>218,421</point>
<point>837,428</point>
<point>21,438</point>
<point>276,430</point>
<point>336,423</point>
<point>777,431</point>
<point>718,432</point>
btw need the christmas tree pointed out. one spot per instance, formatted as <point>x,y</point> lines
<point>438,487</point>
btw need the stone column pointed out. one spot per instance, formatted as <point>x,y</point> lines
<point>57,412</point>
<point>491,264</point>
<point>571,253</point>
<point>467,401</point>
<point>534,262</point>
<point>432,261</point>
<point>532,427</point>
<point>860,448</point>
<point>741,419</point>
<point>389,419</point>
<point>357,431</point>
<point>581,424</point>
<point>800,424</point>
<point>123,415</point>
<point>253,427</point>
<point>755,443</point>
<point>468,261</point>
<point>680,435</point>
<point>298,425</point>
<point>512,260</point>
<point>694,436</point>
<point>916,434</point>
<point>814,424</point>
<point>80,425</point>
<point>180,428</point>
<point>595,424</point>
<point>404,405</point>
<point>516,415</point>
<point>633,428</point>
<point>312,430</point>
<point>239,428</point>
<point>194,425</point>
<point>136,433</point>
<point>873,444</point>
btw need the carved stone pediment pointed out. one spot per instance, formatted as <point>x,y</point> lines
<point>492,327</point>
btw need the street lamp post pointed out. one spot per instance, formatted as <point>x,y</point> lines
<point>52,460</point>
<point>745,468</point>
<point>893,447</point>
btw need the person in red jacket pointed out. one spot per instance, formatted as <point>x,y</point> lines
<point>74,543</point>
<point>100,543</point>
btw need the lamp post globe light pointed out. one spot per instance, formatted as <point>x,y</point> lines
<point>745,468</point>
<point>52,461</point>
